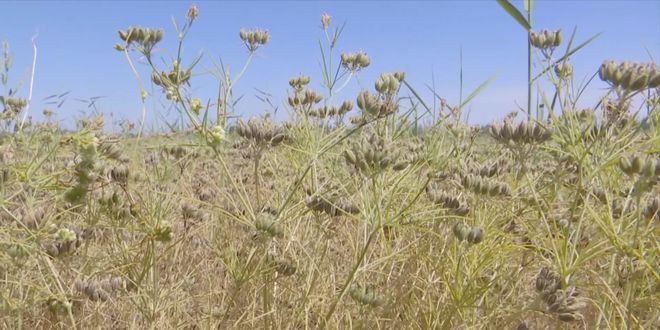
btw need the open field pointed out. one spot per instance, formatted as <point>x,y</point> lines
<point>373,211</point>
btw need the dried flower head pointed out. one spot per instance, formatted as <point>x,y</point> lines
<point>261,132</point>
<point>325,20</point>
<point>545,39</point>
<point>355,61</point>
<point>630,76</point>
<point>145,38</point>
<point>526,132</point>
<point>304,98</point>
<point>255,38</point>
<point>193,12</point>
<point>373,106</point>
<point>453,203</point>
<point>299,83</point>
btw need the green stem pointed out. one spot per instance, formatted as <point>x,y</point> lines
<point>529,67</point>
<point>351,276</point>
<point>257,161</point>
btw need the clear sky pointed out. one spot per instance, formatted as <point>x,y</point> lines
<point>423,38</point>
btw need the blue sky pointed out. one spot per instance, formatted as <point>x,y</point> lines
<point>422,38</point>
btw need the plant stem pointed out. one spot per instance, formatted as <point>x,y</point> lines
<point>529,67</point>
<point>351,276</point>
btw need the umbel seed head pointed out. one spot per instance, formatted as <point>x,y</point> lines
<point>630,76</point>
<point>355,61</point>
<point>255,38</point>
<point>545,39</point>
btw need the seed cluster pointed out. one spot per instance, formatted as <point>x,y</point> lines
<point>453,203</point>
<point>636,165</point>
<point>524,132</point>
<point>485,186</point>
<point>254,38</point>
<point>373,155</point>
<point>630,76</point>
<point>332,205</point>
<point>545,39</point>
<point>100,290</point>
<point>564,303</point>
<point>463,232</point>
<point>66,242</point>
<point>355,61</point>
<point>147,38</point>
<point>331,111</point>
<point>304,98</point>
<point>12,107</point>
<point>261,132</point>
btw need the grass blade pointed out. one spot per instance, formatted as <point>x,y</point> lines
<point>476,92</point>
<point>515,13</point>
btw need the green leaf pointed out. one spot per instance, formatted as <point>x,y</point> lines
<point>515,13</point>
<point>412,90</point>
<point>477,91</point>
<point>529,5</point>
